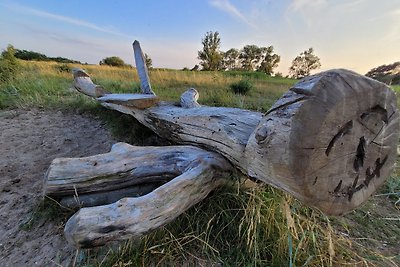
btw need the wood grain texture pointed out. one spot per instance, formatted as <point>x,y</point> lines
<point>330,140</point>
<point>141,68</point>
<point>197,172</point>
<point>326,131</point>
<point>189,99</point>
<point>140,101</point>
<point>85,85</point>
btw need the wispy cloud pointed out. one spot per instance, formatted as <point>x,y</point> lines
<point>69,20</point>
<point>227,7</point>
<point>297,5</point>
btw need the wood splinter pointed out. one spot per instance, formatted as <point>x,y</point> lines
<point>330,141</point>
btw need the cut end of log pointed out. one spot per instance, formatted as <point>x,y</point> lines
<point>330,140</point>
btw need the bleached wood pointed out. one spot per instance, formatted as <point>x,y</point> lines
<point>197,173</point>
<point>85,85</point>
<point>140,101</point>
<point>287,148</point>
<point>189,99</point>
<point>142,69</point>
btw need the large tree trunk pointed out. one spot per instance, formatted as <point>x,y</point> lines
<point>330,141</point>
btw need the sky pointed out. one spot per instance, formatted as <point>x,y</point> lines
<point>352,34</point>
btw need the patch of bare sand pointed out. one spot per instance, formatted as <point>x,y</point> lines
<point>30,140</point>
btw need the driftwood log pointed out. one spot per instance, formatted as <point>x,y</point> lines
<point>330,141</point>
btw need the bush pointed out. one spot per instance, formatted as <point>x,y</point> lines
<point>241,87</point>
<point>112,61</point>
<point>8,65</point>
<point>63,68</point>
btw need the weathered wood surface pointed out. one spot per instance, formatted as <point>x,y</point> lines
<point>330,140</point>
<point>140,101</point>
<point>140,62</point>
<point>188,175</point>
<point>313,143</point>
<point>189,99</point>
<point>85,85</point>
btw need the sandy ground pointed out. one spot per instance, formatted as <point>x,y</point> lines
<point>30,140</point>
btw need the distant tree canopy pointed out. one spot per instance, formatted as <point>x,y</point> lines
<point>389,74</point>
<point>263,59</point>
<point>303,64</point>
<point>249,58</point>
<point>211,56</point>
<point>112,61</point>
<point>230,60</point>
<point>31,55</point>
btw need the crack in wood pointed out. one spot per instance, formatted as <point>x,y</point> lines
<point>353,188</point>
<point>337,188</point>
<point>369,175</point>
<point>286,104</point>
<point>302,91</point>
<point>360,155</point>
<point>383,112</point>
<point>379,165</point>
<point>342,132</point>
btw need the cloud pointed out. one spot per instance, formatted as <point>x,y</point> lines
<point>69,20</point>
<point>228,7</point>
<point>391,31</point>
<point>297,5</point>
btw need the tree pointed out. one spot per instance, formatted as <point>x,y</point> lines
<point>149,62</point>
<point>250,57</point>
<point>112,61</point>
<point>269,60</point>
<point>230,59</point>
<point>30,55</point>
<point>303,64</point>
<point>211,57</point>
<point>257,58</point>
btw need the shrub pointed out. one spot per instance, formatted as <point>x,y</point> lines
<point>63,68</point>
<point>8,65</point>
<point>241,87</point>
<point>112,61</point>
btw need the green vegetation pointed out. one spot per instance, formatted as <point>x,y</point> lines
<point>113,61</point>
<point>242,224</point>
<point>32,55</point>
<point>241,87</point>
<point>389,74</point>
<point>8,65</point>
<point>249,58</point>
<point>303,64</point>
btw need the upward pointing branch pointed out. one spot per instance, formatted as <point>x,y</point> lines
<point>142,69</point>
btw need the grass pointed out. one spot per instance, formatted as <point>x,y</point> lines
<point>242,224</point>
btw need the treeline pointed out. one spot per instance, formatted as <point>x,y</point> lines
<point>251,58</point>
<point>32,55</point>
<point>389,74</point>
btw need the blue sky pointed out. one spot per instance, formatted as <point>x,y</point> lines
<point>353,34</point>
